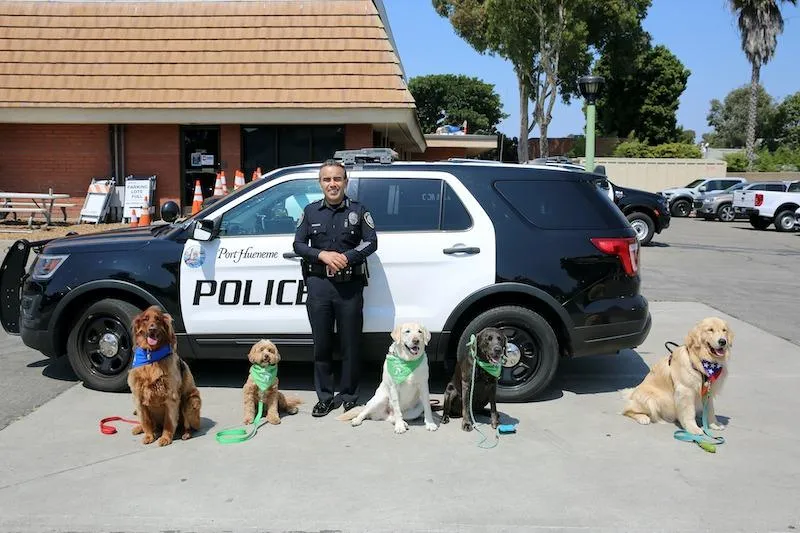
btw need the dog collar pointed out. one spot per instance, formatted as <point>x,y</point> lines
<point>492,369</point>
<point>264,376</point>
<point>143,357</point>
<point>399,369</point>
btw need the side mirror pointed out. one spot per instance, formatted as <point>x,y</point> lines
<point>206,230</point>
<point>702,188</point>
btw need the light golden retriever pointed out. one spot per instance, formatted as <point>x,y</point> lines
<point>407,400</point>
<point>164,392</point>
<point>264,353</point>
<point>672,389</point>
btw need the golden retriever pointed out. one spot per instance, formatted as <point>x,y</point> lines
<point>164,392</point>
<point>401,396</point>
<point>672,389</point>
<point>264,353</point>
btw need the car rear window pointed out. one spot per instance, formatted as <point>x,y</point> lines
<point>554,204</point>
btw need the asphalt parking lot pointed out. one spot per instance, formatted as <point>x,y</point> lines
<point>574,464</point>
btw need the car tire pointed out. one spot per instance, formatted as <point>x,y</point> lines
<point>759,223</point>
<point>533,350</point>
<point>725,213</point>
<point>100,345</point>
<point>681,208</point>
<point>643,225</point>
<point>784,221</point>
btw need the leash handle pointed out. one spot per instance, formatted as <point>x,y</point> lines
<point>233,436</point>
<point>706,441</point>
<point>107,429</point>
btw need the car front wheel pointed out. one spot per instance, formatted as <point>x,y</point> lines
<point>759,223</point>
<point>725,213</point>
<point>531,360</point>
<point>681,208</point>
<point>100,345</point>
<point>643,226</point>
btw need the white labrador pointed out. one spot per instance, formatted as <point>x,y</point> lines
<point>403,393</point>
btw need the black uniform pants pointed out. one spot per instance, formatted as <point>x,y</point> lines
<point>343,303</point>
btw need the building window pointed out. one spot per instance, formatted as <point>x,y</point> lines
<point>274,146</point>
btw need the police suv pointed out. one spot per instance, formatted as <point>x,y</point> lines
<point>538,251</point>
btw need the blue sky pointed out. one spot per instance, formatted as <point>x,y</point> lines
<point>702,33</point>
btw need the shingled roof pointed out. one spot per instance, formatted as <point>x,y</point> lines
<point>245,56</point>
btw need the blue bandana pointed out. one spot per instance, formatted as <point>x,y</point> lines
<point>143,357</point>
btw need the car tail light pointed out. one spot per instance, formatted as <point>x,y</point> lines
<point>626,248</point>
<point>759,199</point>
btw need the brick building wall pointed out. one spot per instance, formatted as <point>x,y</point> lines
<point>357,136</point>
<point>154,149</point>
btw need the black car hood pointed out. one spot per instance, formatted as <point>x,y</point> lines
<point>637,192</point>
<point>118,240</point>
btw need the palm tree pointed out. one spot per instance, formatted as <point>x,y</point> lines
<point>760,23</point>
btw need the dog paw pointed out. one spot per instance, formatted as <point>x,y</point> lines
<point>430,426</point>
<point>466,426</point>
<point>400,427</point>
<point>642,419</point>
<point>356,422</point>
<point>445,420</point>
<point>148,439</point>
<point>717,426</point>
<point>248,420</point>
<point>137,429</point>
<point>186,436</point>
<point>274,419</point>
<point>164,441</point>
<point>292,410</point>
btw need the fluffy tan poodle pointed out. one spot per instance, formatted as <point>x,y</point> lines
<point>672,389</point>
<point>264,353</point>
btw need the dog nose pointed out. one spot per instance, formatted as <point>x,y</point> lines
<point>415,341</point>
<point>722,341</point>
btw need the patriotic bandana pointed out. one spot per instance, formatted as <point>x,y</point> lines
<point>712,369</point>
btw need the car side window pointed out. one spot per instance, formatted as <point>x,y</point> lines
<point>713,185</point>
<point>274,211</point>
<point>774,187</point>
<point>794,187</point>
<point>728,183</point>
<point>758,187</point>
<point>402,204</point>
<point>454,215</point>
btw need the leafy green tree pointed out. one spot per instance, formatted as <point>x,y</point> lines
<point>460,98</point>
<point>729,118</point>
<point>787,122</point>
<point>643,94</point>
<point>548,42</point>
<point>760,23</point>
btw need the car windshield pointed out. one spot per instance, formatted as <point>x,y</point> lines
<point>695,183</point>
<point>736,187</point>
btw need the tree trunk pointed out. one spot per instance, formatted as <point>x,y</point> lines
<point>544,144</point>
<point>522,146</point>
<point>751,117</point>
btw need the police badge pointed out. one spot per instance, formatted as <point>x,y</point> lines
<point>352,218</point>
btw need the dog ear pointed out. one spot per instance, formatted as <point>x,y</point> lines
<point>694,340</point>
<point>251,355</point>
<point>730,335</point>
<point>396,332</point>
<point>426,334</point>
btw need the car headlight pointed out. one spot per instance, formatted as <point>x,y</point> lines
<point>46,265</point>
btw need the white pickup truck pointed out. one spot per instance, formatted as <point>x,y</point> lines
<point>769,207</point>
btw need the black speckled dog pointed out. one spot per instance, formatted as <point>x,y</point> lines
<point>490,349</point>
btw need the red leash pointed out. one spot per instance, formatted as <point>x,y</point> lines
<point>107,429</point>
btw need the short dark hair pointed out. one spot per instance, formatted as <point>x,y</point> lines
<point>333,163</point>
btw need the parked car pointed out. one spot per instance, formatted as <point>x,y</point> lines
<point>680,199</point>
<point>535,250</point>
<point>719,204</point>
<point>764,208</point>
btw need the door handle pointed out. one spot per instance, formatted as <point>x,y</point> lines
<point>290,255</point>
<point>462,250</point>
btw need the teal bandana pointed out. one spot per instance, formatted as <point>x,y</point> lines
<point>491,369</point>
<point>400,369</point>
<point>264,377</point>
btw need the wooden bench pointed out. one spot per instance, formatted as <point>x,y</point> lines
<point>31,207</point>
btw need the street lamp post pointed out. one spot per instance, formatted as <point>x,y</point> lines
<point>590,87</point>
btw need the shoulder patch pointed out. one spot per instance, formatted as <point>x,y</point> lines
<point>300,220</point>
<point>368,219</point>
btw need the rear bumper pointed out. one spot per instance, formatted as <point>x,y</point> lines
<point>612,338</point>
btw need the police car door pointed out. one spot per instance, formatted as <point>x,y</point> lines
<point>435,247</point>
<point>239,285</point>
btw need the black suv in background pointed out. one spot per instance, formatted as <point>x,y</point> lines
<point>538,251</point>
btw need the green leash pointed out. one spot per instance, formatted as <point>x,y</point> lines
<point>491,369</point>
<point>707,441</point>
<point>264,378</point>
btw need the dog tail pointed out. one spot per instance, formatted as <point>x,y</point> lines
<point>291,401</point>
<point>435,406</point>
<point>351,414</point>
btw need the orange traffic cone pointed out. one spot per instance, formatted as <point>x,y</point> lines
<point>218,186</point>
<point>224,183</point>
<point>257,174</point>
<point>238,180</point>
<point>197,201</point>
<point>134,220</point>
<point>144,220</point>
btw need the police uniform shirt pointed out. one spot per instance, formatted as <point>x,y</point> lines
<point>347,228</point>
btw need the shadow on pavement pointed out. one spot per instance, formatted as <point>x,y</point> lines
<point>58,369</point>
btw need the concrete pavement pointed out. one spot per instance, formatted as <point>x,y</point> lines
<point>575,463</point>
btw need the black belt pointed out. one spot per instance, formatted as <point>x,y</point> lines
<point>346,274</point>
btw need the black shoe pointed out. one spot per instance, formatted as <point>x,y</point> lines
<point>322,408</point>
<point>346,406</point>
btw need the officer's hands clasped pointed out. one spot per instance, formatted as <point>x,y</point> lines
<point>334,260</point>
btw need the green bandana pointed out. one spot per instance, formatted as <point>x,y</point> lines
<point>492,369</point>
<point>400,369</point>
<point>264,377</point>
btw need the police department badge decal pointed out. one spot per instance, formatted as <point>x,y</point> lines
<point>352,218</point>
<point>194,256</point>
<point>368,220</point>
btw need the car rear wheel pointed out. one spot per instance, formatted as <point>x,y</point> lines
<point>784,221</point>
<point>100,345</point>
<point>681,208</point>
<point>643,225</point>
<point>532,351</point>
<point>759,223</point>
<point>725,213</point>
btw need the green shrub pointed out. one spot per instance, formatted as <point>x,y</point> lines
<point>632,149</point>
<point>677,151</point>
<point>737,162</point>
<point>781,160</point>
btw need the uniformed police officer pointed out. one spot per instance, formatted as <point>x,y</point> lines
<point>342,235</point>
